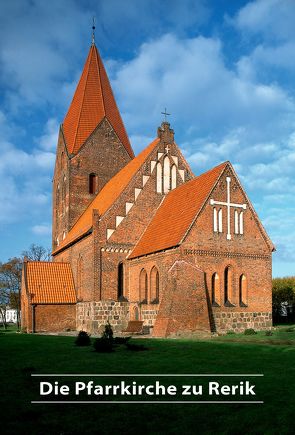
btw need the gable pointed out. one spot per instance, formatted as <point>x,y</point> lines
<point>228,220</point>
<point>175,215</point>
<point>129,216</point>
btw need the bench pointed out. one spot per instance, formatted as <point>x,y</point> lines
<point>134,327</point>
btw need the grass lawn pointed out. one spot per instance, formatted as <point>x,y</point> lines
<point>22,355</point>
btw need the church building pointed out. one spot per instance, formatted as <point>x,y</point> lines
<point>143,238</point>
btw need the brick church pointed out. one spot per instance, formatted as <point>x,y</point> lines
<point>143,238</point>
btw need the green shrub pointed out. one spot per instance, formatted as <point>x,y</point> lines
<point>83,339</point>
<point>103,345</point>
<point>291,329</point>
<point>268,333</point>
<point>250,331</point>
<point>106,341</point>
<point>230,332</point>
<point>108,332</point>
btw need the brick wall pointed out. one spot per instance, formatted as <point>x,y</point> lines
<point>183,307</point>
<point>55,317</point>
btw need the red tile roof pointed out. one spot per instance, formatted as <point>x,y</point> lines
<point>107,196</point>
<point>50,283</point>
<point>176,213</point>
<point>93,100</point>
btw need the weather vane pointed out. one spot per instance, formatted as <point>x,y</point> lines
<point>93,30</point>
<point>165,114</point>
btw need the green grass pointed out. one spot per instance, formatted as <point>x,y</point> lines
<point>23,354</point>
<point>281,335</point>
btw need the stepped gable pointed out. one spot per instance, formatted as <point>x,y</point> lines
<point>92,102</point>
<point>107,196</point>
<point>176,213</point>
<point>49,283</point>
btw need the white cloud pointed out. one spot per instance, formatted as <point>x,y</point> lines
<point>42,230</point>
<point>48,140</point>
<point>24,180</point>
<point>190,78</point>
<point>273,18</point>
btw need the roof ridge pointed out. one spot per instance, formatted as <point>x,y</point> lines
<point>81,107</point>
<point>99,75</point>
<point>46,262</point>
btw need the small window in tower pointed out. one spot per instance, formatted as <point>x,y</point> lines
<point>92,184</point>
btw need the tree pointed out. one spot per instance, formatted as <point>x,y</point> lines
<point>37,253</point>
<point>10,285</point>
<point>283,296</point>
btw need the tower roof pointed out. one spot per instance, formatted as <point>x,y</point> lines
<point>93,100</point>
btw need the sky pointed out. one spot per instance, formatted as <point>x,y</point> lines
<point>225,70</point>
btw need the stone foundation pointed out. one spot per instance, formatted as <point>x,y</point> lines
<point>239,321</point>
<point>92,316</point>
<point>149,317</point>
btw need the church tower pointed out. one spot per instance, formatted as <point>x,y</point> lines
<point>92,147</point>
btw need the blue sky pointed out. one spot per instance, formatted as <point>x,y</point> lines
<point>225,70</point>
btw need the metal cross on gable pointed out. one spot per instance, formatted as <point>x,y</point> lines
<point>228,205</point>
<point>165,114</point>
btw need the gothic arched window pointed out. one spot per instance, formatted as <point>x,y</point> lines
<point>120,281</point>
<point>79,277</point>
<point>228,283</point>
<point>143,286</point>
<point>154,285</point>
<point>159,178</point>
<point>166,180</point>
<point>173,177</point>
<point>215,289</point>
<point>241,221</point>
<point>215,222</point>
<point>220,220</point>
<point>243,291</point>
<point>236,222</point>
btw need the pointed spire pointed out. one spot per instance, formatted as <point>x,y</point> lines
<point>92,102</point>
